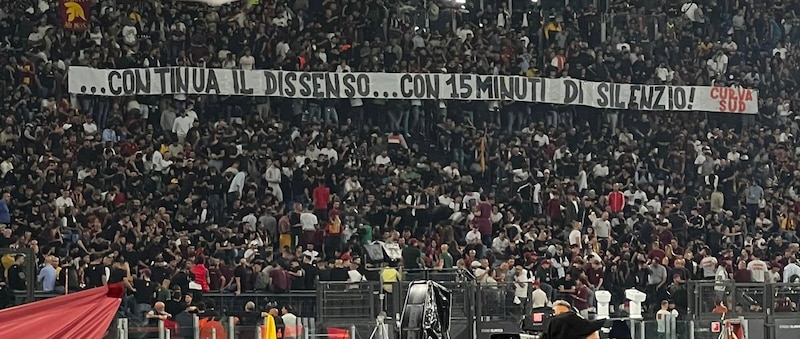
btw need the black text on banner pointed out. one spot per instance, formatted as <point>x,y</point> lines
<point>430,86</point>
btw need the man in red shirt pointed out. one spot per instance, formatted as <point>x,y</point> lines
<point>581,297</point>
<point>321,196</point>
<point>616,200</point>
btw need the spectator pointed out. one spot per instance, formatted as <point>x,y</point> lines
<point>292,326</point>
<point>280,280</point>
<point>664,320</point>
<point>791,272</point>
<point>145,292</point>
<point>5,214</point>
<point>157,314</point>
<point>201,273</point>
<point>47,275</point>
<point>16,274</point>
<point>758,268</point>
<point>580,298</point>
<point>298,276</point>
<point>522,279</point>
<point>538,297</point>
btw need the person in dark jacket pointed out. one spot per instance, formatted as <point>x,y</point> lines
<point>567,324</point>
<point>16,274</point>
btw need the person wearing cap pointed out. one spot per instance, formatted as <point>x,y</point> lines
<point>566,324</point>
<point>16,274</point>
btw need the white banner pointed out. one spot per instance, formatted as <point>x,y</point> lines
<point>320,85</point>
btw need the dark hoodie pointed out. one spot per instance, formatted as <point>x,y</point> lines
<point>570,326</point>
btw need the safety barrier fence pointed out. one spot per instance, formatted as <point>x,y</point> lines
<point>478,311</point>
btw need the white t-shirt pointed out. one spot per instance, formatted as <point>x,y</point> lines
<point>575,238</point>
<point>382,160</point>
<point>451,172</point>
<point>129,34</point>
<point>522,291</point>
<point>247,62</point>
<point>473,236</point>
<point>309,221</point>
<point>182,125</point>
<point>542,139</point>
<point>62,202</point>
<point>90,128</point>
<point>758,270</point>
<point>500,244</point>
<point>281,50</point>
<point>662,319</point>
<point>311,254</point>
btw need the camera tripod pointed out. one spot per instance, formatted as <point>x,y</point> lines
<point>381,331</point>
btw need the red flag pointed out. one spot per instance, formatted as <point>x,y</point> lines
<point>75,14</point>
<point>86,314</point>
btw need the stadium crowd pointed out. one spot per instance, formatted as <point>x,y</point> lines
<point>213,193</point>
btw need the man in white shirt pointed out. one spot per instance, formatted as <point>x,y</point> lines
<point>521,280</point>
<point>89,128</point>
<point>129,33</point>
<point>541,138</point>
<point>273,177</point>
<point>330,152</point>
<point>538,297</point>
<point>309,221</point>
<point>500,243</point>
<point>602,229</point>
<point>352,185</point>
<point>664,320</point>
<point>247,61</point>
<point>451,171</point>
<point>64,200</point>
<point>473,236</point>
<point>780,51</point>
<point>791,273</point>
<point>758,268</point>
<point>310,253</point>
<point>161,161</point>
<point>291,325</point>
<point>354,276</point>
<point>238,182</point>
<point>182,125</point>
<point>575,236</point>
<point>383,159</point>
<point>281,49</point>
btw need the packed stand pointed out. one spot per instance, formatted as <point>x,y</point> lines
<point>184,195</point>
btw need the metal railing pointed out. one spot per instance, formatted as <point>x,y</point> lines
<point>478,311</point>
<point>710,298</point>
<point>764,310</point>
